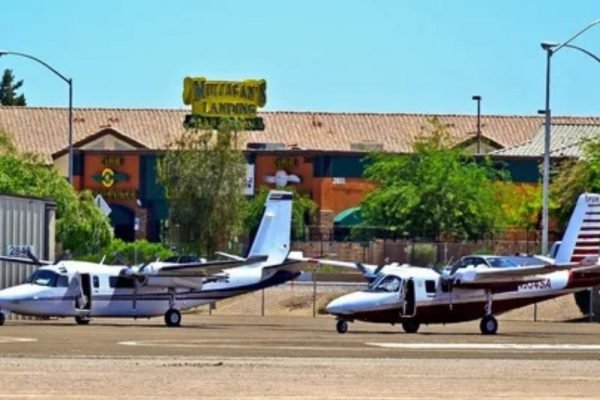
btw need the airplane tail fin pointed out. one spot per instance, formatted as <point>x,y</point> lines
<point>273,236</point>
<point>582,237</point>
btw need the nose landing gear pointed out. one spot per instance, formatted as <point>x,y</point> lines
<point>341,326</point>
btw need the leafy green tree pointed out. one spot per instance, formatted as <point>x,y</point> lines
<point>438,191</point>
<point>80,226</point>
<point>203,173</point>
<point>139,251</point>
<point>572,178</point>
<point>302,207</point>
<point>8,90</point>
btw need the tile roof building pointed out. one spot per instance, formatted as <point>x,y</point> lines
<point>43,130</point>
<point>565,141</point>
<point>116,151</point>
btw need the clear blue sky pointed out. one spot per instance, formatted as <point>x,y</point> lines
<point>320,55</point>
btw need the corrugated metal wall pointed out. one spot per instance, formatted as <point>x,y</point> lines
<point>25,222</point>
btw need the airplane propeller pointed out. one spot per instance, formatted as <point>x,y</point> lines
<point>130,274</point>
<point>33,258</point>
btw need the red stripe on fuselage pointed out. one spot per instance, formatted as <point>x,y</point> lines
<point>446,313</point>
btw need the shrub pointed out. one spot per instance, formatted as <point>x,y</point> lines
<point>139,251</point>
<point>421,254</point>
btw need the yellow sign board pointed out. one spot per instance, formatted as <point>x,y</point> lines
<point>224,98</point>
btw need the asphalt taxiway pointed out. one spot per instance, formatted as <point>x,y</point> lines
<point>295,357</point>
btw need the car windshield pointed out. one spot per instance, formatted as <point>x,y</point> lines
<point>501,262</point>
<point>43,277</point>
<point>389,283</point>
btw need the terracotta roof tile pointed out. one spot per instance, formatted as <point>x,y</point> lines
<point>43,130</point>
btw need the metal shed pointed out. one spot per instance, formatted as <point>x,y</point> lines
<point>25,223</point>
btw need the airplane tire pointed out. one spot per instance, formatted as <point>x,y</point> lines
<point>411,326</point>
<point>82,321</point>
<point>341,326</point>
<point>488,325</point>
<point>173,317</point>
<point>2,318</point>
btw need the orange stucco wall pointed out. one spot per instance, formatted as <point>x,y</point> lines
<point>266,165</point>
<point>337,197</point>
<point>129,165</point>
<point>328,194</point>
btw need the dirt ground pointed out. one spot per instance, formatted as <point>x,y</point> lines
<point>297,378</point>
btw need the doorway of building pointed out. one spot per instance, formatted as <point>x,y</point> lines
<point>122,219</point>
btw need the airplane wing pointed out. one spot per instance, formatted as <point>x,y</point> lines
<point>230,256</point>
<point>483,277</point>
<point>25,261</point>
<point>298,256</point>
<point>369,271</point>
<point>199,269</point>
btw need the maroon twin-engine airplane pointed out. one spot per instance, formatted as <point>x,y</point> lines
<point>412,296</point>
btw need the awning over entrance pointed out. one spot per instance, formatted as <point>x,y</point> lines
<point>348,217</point>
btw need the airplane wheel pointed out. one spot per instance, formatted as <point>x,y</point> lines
<point>82,320</point>
<point>2,318</point>
<point>488,325</point>
<point>341,326</point>
<point>173,317</point>
<point>411,326</point>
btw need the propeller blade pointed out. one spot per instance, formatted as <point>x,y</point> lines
<point>378,269</point>
<point>33,258</point>
<point>64,256</point>
<point>122,259</point>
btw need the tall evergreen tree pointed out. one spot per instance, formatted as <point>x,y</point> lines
<point>8,90</point>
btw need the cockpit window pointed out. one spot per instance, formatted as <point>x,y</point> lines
<point>389,283</point>
<point>44,277</point>
<point>501,262</point>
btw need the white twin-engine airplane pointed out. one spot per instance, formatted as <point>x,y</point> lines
<point>413,296</point>
<point>87,290</point>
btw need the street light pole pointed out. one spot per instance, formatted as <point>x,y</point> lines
<point>546,175</point>
<point>477,98</point>
<point>552,48</point>
<point>69,82</point>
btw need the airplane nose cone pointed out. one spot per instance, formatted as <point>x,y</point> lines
<point>14,294</point>
<point>333,307</point>
<point>341,305</point>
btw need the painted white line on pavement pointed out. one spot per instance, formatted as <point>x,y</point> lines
<point>486,346</point>
<point>8,339</point>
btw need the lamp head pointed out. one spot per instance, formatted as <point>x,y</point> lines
<point>548,45</point>
<point>476,97</point>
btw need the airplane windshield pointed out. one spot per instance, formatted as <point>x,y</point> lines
<point>389,283</point>
<point>43,278</point>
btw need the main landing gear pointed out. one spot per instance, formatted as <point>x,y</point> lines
<point>2,318</point>
<point>82,320</point>
<point>173,317</point>
<point>411,326</point>
<point>488,324</point>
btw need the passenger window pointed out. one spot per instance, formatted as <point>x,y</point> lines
<point>96,282</point>
<point>120,282</point>
<point>430,286</point>
<point>62,281</point>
